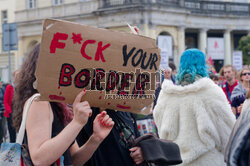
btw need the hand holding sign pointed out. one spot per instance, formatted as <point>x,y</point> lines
<point>82,110</point>
<point>135,30</point>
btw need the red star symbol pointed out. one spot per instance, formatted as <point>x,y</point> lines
<point>76,38</point>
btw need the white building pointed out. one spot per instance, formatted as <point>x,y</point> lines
<point>183,23</point>
<point>7,15</point>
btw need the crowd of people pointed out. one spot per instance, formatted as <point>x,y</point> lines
<point>234,84</point>
<point>6,127</point>
<point>204,110</point>
<point>193,108</point>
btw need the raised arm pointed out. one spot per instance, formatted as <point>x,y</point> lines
<point>102,126</point>
<point>43,149</point>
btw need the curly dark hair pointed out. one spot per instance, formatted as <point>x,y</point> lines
<point>24,90</point>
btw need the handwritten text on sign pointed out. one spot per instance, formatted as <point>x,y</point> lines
<point>86,58</point>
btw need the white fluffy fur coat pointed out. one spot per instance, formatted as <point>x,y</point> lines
<point>198,118</point>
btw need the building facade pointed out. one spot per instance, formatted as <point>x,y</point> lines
<point>7,15</point>
<point>213,27</point>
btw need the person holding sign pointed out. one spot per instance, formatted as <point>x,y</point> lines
<point>51,128</point>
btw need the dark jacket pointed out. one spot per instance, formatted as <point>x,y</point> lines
<point>2,91</point>
<point>111,152</point>
<point>238,149</point>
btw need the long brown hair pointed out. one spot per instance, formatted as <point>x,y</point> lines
<point>248,94</point>
<point>240,73</point>
<point>24,89</point>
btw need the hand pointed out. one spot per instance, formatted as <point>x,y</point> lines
<point>136,154</point>
<point>240,108</point>
<point>102,126</point>
<point>234,110</point>
<point>137,30</point>
<point>82,110</point>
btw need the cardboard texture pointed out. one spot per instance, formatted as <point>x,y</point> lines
<point>74,57</point>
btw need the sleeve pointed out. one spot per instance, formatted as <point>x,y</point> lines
<point>234,97</point>
<point>166,117</point>
<point>221,116</point>
<point>7,100</point>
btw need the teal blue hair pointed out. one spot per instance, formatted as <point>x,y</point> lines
<point>192,62</point>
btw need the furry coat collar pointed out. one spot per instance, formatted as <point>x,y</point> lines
<point>198,118</point>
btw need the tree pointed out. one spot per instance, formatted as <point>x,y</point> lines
<point>244,46</point>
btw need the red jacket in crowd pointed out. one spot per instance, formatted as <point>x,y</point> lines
<point>230,88</point>
<point>7,100</point>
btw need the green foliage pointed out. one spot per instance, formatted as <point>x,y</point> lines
<point>244,46</point>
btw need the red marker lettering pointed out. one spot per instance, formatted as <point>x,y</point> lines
<point>98,76</point>
<point>126,77</point>
<point>84,45</point>
<point>113,80</point>
<point>99,51</point>
<point>66,71</point>
<point>123,107</point>
<point>55,41</point>
<point>141,83</point>
<point>55,97</point>
<point>81,83</point>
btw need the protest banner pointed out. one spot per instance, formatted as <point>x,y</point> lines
<point>117,69</point>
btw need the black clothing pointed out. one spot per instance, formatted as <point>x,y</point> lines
<point>157,92</point>
<point>111,152</point>
<point>11,129</point>
<point>2,91</point>
<point>238,150</point>
<point>57,127</point>
<point>2,118</point>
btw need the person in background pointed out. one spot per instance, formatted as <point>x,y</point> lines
<point>214,77</point>
<point>210,65</point>
<point>221,81</point>
<point>229,73</point>
<point>167,73</point>
<point>173,67</point>
<point>157,89</point>
<point>195,113</point>
<point>2,118</point>
<point>246,104</point>
<point>238,147</point>
<point>239,92</point>
<point>7,101</point>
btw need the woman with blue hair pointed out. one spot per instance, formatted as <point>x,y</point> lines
<point>195,113</point>
<point>192,67</point>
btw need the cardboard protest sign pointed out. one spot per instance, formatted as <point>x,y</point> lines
<point>117,69</point>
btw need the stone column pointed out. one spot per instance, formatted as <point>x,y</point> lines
<point>152,32</point>
<point>203,40</point>
<point>227,47</point>
<point>181,44</point>
<point>20,52</point>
